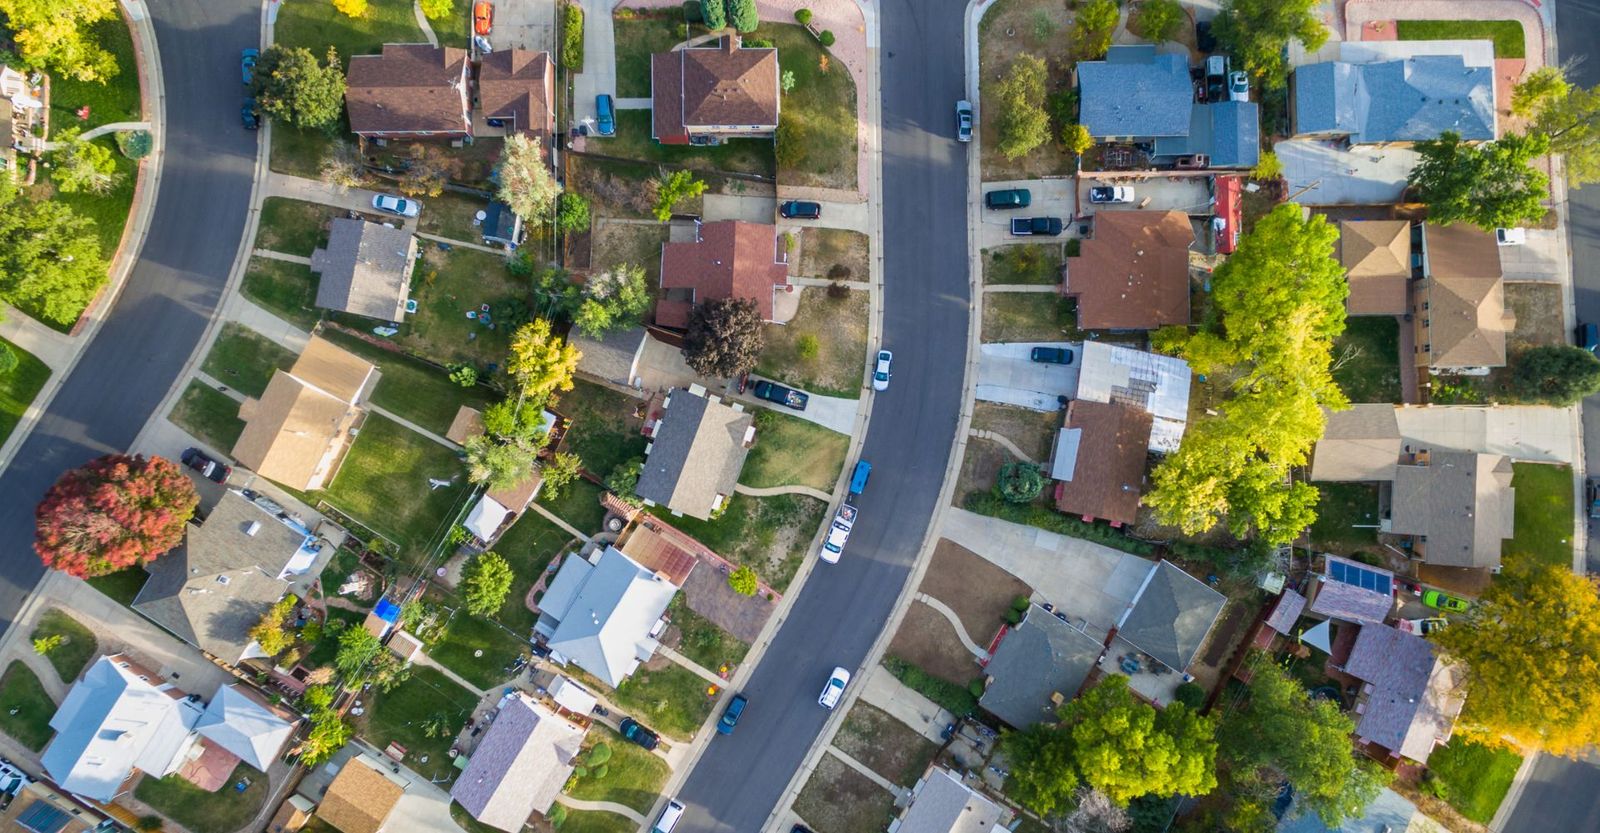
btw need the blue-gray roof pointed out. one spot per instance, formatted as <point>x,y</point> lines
<point>1041,657</point>
<point>1406,100</point>
<point>1227,131</point>
<point>1135,92</point>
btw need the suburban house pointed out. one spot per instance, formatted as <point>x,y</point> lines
<point>1151,382</point>
<point>697,448</point>
<point>1098,460</point>
<point>1141,97</point>
<point>119,718</point>
<point>410,91</point>
<point>1351,591</point>
<point>1459,307</point>
<point>516,88</point>
<point>228,572</point>
<point>1398,92</point>
<point>298,432</point>
<point>239,721</point>
<point>21,109</point>
<point>613,358</point>
<point>705,95</point>
<point>1376,255</point>
<point>37,807</point>
<point>1409,698</point>
<point>1359,444</point>
<point>942,803</point>
<point>726,259</point>
<point>361,797</point>
<point>604,615</point>
<point>1457,507</point>
<point>1040,664</point>
<point>365,269</point>
<point>1133,272</point>
<point>1170,617</point>
<point>520,766</point>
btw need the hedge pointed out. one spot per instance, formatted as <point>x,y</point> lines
<point>985,503</point>
<point>956,699</point>
<point>572,37</point>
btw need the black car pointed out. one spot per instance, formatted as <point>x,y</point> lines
<point>1051,355</point>
<point>247,115</point>
<point>635,731</point>
<point>210,469</point>
<point>1007,199</point>
<point>787,397</point>
<point>800,210</point>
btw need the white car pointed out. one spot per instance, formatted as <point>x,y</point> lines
<point>838,533</point>
<point>396,205</point>
<point>880,373</point>
<point>1238,86</point>
<point>834,690</point>
<point>1511,236</point>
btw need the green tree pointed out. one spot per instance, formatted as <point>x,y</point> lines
<point>561,470</point>
<point>499,465</point>
<point>1076,139</point>
<point>1555,374</point>
<point>526,184</point>
<point>437,9</point>
<point>464,375</point>
<point>1092,27</point>
<point>271,632</point>
<point>1125,748</point>
<point>787,81</point>
<point>572,212</point>
<point>1570,118</point>
<point>1022,120</point>
<point>1269,166</point>
<point>1256,33</point>
<point>571,36</point>
<point>485,583</point>
<point>357,649</point>
<point>1538,90</point>
<point>1489,185</point>
<point>516,421</point>
<point>675,189</point>
<point>613,299</point>
<point>56,36</point>
<point>714,14</point>
<point>742,15</point>
<point>80,166</point>
<point>1159,20</point>
<point>290,86</point>
<point>8,360</point>
<point>541,362</point>
<point>50,260</point>
<point>744,582</point>
<point>329,733</point>
<point>1020,482</point>
<point>1044,774</point>
<point>624,479</point>
<point>724,338</point>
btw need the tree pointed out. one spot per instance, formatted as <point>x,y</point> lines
<point>744,581</point>
<point>485,582</point>
<point>428,167</point>
<point>1530,645</point>
<point>624,479</point>
<point>1268,167</point>
<point>1159,20</point>
<point>351,8</point>
<point>1538,90</point>
<point>742,15</point>
<point>679,187</point>
<point>803,17</point>
<point>1555,374</point>
<point>1256,33</point>
<point>1096,813</point>
<point>50,258</point>
<point>1490,186</point>
<point>357,649</point>
<point>341,166</point>
<point>114,512</point>
<point>612,300</point>
<point>572,212</point>
<point>1092,28</point>
<point>1020,482</point>
<point>724,337</point>
<point>1022,120</point>
<point>499,465</point>
<point>53,35</point>
<point>571,36</point>
<point>516,421</point>
<point>464,375</point>
<point>329,733</point>
<point>271,631</point>
<point>1043,775</point>
<point>562,469</point>
<point>290,86</point>
<point>526,184</point>
<point>541,362</point>
<point>8,360</point>
<point>1076,139</point>
<point>81,166</point>
<point>1570,118</point>
<point>714,14</point>
<point>437,9</point>
<point>1125,748</point>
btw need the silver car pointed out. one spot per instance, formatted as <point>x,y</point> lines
<point>880,371</point>
<point>396,205</point>
<point>964,121</point>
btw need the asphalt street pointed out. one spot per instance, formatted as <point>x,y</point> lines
<point>1564,794</point>
<point>842,607</point>
<point>174,287</point>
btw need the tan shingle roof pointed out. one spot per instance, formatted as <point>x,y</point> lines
<point>296,432</point>
<point>1134,273</point>
<point>360,798</point>
<point>410,88</point>
<point>1466,316</point>
<point>1461,502</point>
<point>1358,444</point>
<point>1376,255</point>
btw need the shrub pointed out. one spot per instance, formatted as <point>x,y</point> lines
<point>1191,695</point>
<point>826,38</point>
<point>572,37</point>
<point>691,12</point>
<point>351,8</point>
<point>836,290</point>
<point>791,145</point>
<point>1073,247</point>
<point>975,688</point>
<point>599,755</point>
<point>558,814</point>
<point>742,15</point>
<point>45,644</point>
<point>803,17</point>
<point>808,347</point>
<point>757,43</point>
<point>8,360</point>
<point>744,581</point>
<point>572,212</point>
<point>134,144</point>
<point>1269,166</point>
<point>437,9</point>
<point>1076,138</point>
<point>1020,603</point>
<point>956,699</point>
<point>1020,482</point>
<point>464,375</point>
<point>714,13</point>
<point>147,823</point>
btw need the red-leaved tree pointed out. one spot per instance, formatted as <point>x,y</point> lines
<point>114,512</point>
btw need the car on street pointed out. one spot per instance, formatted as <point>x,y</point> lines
<point>880,371</point>
<point>730,715</point>
<point>605,117</point>
<point>247,64</point>
<point>1439,600</point>
<point>635,732</point>
<point>838,536</point>
<point>1238,86</point>
<point>1511,236</point>
<point>1111,194</point>
<point>1051,355</point>
<point>482,17</point>
<point>208,468</point>
<point>1030,226</point>
<point>800,210</point>
<point>247,115</point>
<point>1591,493</point>
<point>834,690</point>
<point>1008,199</point>
<point>964,121</point>
<point>1589,337</point>
<point>858,478</point>
<point>399,206</point>
<point>669,817</point>
<point>787,397</point>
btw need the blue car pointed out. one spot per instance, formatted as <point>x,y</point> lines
<point>605,120</point>
<point>247,63</point>
<point>247,115</point>
<point>858,478</point>
<point>730,715</point>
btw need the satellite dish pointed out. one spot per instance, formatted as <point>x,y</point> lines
<point>481,215</point>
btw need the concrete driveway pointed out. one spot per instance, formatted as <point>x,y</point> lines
<point>1532,433</point>
<point>1322,174</point>
<point>747,207</point>
<point>1189,194</point>
<point>834,412</point>
<point>1542,258</point>
<point>1051,198</point>
<point>525,24</point>
<point>599,73</point>
<point>1006,375</point>
<point>851,216</point>
<point>661,366</point>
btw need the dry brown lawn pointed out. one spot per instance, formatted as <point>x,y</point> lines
<point>1029,316</point>
<point>1033,431</point>
<point>979,468</point>
<point>835,254</point>
<point>837,799</point>
<point>1538,310</point>
<point>839,326</point>
<point>927,640</point>
<point>887,746</point>
<point>635,243</point>
<point>978,591</point>
<point>1011,28</point>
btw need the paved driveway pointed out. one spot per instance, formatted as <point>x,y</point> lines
<point>1329,176</point>
<point>1188,194</point>
<point>747,207</point>
<point>1051,198</point>
<point>599,74</point>
<point>1526,432</point>
<point>1542,258</point>
<point>525,24</point>
<point>1006,375</point>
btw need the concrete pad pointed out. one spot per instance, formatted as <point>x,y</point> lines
<point>1322,174</point>
<point>1529,433</point>
<point>881,689</point>
<point>1006,375</point>
<point>1188,194</point>
<point>751,209</point>
<point>1051,198</point>
<point>832,412</point>
<point>524,24</point>
<point>1542,258</point>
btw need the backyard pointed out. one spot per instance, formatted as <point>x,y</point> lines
<point>633,776</point>
<point>823,349</point>
<point>1009,29</point>
<point>701,641</point>
<point>451,289</point>
<point>768,534</point>
<point>614,244</point>
<point>1367,359</point>
<point>529,546</point>
<point>792,452</point>
<point>887,746</point>
<point>19,387</point>
<point>633,141</point>
<point>837,799</point>
<point>452,215</point>
<point>477,649</point>
<point>1475,778</point>
<point>1029,316</point>
<point>1347,517</point>
<point>288,290</point>
<point>577,503</point>
<point>398,716</point>
<point>1543,513</point>
<point>412,388</point>
<point>210,415</point>
<point>25,707</point>
<point>223,811</point>
<point>384,483</point>
<point>819,112</point>
<point>77,645</point>
<point>294,227</point>
<point>1506,34</point>
<point>671,699</point>
<point>244,360</point>
<point>605,426</point>
<point>1031,263</point>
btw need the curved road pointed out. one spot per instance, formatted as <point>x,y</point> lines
<point>843,607</point>
<point>175,285</point>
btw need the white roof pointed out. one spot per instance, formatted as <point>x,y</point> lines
<point>572,697</point>
<point>486,517</point>
<point>245,727</point>
<point>1156,383</point>
<point>600,615</point>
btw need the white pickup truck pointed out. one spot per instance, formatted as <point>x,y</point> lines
<point>838,532</point>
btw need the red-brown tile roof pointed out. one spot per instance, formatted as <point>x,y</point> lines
<point>519,84</point>
<point>729,259</point>
<point>1134,273</point>
<point>410,88</point>
<point>666,92</point>
<point>1108,476</point>
<point>727,85</point>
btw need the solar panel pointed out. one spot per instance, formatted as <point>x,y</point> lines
<point>43,818</point>
<point>1357,575</point>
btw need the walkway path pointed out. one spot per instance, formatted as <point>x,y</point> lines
<point>53,347</point>
<point>700,671</point>
<point>114,127</point>
<point>555,519</point>
<point>422,658</point>
<point>881,689</point>
<point>955,621</point>
<point>1005,443</point>
<point>601,807</point>
<point>895,789</point>
<point>634,103</point>
<point>422,23</point>
<point>768,491</point>
<point>463,244</point>
<point>287,258</point>
<point>1022,287</point>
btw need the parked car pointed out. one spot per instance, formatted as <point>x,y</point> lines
<point>605,116</point>
<point>787,397</point>
<point>208,468</point>
<point>635,731</point>
<point>834,690</point>
<point>1216,77</point>
<point>800,210</point>
<point>1238,86</point>
<point>669,818</point>
<point>482,17</point>
<point>247,115</point>
<point>247,64</point>
<point>838,534</point>
<point>1111,194</point>
<point>963,121</point>
<point>1589,337</point>
<point>1439,600</point>
<point>1008,199</point>
<point>483,44</point>
<point>1051,355</point>
<point>858,478</point>
<point>880,371</point>
<point>399,206</point>
<point>1591,493</point>
<point>1511,236</point>
<point>730,715</point>
<point>1029,226</point>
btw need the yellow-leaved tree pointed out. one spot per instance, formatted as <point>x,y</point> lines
<point>541,362</point>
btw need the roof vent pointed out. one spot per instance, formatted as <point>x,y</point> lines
<point>252,528</point>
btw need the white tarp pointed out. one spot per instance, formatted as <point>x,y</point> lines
<point>572,697</point>
<point>485,518</point>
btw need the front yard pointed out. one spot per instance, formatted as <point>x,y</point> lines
<point>1029,263</point>
<point>1506,34</point>
<point>792,452</point>
<point>294,227</point>
<point>25,708</point>
<point>223,811</point>
<point>384,484</point>
<point>820,110</point>
<point>887,746</point>
<point>317,26</point>
<point>837,799</point>
<point>245,360</point>
<point>287,290</point>
<point>671,699</point>
<point>210,415</point>
<point>823,349</point>
<point>633,776</point>
<point>768,534</point>
<point>1475,778</point>
<point>1029,316</point>
<point>77,647</point>
<point>835,254</point>
<point>19,387</point>
<point>1367,359</point>
<point>115,100</point>
<point>701,641</point>
<point>398,717</point>
<point>1011,28</point>
<point>1544,513</point>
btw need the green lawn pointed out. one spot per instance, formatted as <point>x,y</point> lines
<point>530,545</point>
<point>451,215</point>
<point>595,821</point>
<point>1544,513</point>
<point>821,109</point>
<point>672,701</point>
<point>384,484</point>
<point>706,644</point>
<point>223,811</point>
<point>448,285</point>
<point>1475,777</point>
<point>1339,509</point>
<point>397,717</point>
<point>327,648</point>
<point>751,156</point>
<point>748,533</point>
<point>1506,34</point>
<point>1031,263</point>
<point>790,451</point>
<point>117,99</point>
<point>1370,352</point>
<point>467,634</point>
<point>122,585</point>
<point>288,290</point>
<point>25,708</point>
<point>109,210</point>
<point>19,387</point>
<point>637,38</point>
<point>604,432</point>
<point>298,151</point>
<point>633,778</point>
<point>455,29</point>
<point>210,415</point>
<point>77,647</point>
<point>412,388</point>
<point>578,504</point>
<point>318,25</point>
<point>294,227</point>
<point>1028,316</point>
<point>244,359</point>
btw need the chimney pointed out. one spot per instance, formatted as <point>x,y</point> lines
<point>730,43</point>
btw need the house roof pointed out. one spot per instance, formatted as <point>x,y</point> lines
<point>517,498</point>
<point>1360,443</point>
<point>1171,615</point>
<point>1109,444</point>
<point>409,88</point>
<point>520,766</point>
<point>1286,611</point>
<point>1036,660</point>
<point>728,259</point>
<point>1461,502</point>
<point>360,797</point>
<point>614,357</point>
<point>1414,697</point>
<point>696,453</point>
<point>119,717</point>
<point>942,804</point>
<point>365,269</point>
<point>1406,100</point>
<point>599,615</point>
<point>1465,310</point>
<point>304,413</point>
<point>1156,384</point>
<point>1376,255</point>
<point>240,723</point>
<point>1133,274</point>
<point>1352,591</point>
<point>1135,92</point>
<point>707,87</point>
<point>1229,132</point>
<point>517,84</point>
<point>467,423</point>
<point>660,549</point>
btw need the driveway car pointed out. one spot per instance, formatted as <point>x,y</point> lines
<point>880,372</point>
<point>247,115</point>
<point>1439,600</point>
<point>247,64</point>
<point>208,468</point>
<point>787,397</point>
<point>1051,355</point>
<point>834,690</point>
<point>1238,86</point>
<point>1008,199</point>
<point>800,210</point>
<point>964,121</point>
<point>482,17</point>
<point>1111,194</point>
<point>635,732</point>
<point>730,715</point>
<point>605,118</point>
<point>1029,226</point>
<point>396,205</point>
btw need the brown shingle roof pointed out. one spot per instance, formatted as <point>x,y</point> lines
<point>666,98</point>
<point>726,85</point>
<point>360,798</point>
<point>1376,255</point>
<point>410,88</point>
<point>1134,273</point>
<point>296,432</point>
<point>518,84</point>
<point>1111,444</point>
<point>468,423</point>
<point>1465,314</point>
<point>366,269</point>
<point>729,259</point>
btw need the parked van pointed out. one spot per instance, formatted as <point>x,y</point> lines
<point>858,479</point>
<point>669,818</point>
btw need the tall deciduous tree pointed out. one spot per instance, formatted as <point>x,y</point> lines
<point>1044,774</point>
<point>500,465</point>
<point>1022,120</point>
<point>114,512</point>
<point>526,183</point>
<point>680,186</point>
<point>290,86</point>
<point>272,632</point>
<point>562,468</point>
<point>357,650</point>
<point>54,35</point>
<point>1125,748</point>
<point>516,421</point>
<point>485,583</point>
<point>1256,33</point>
<point>1092,27</point>
<point>723,338</point>
<point>50,257</point>
<point>614,299</point>
<point>541,362</point>
<point>1490,185</point>
<point>1570,117</point>
<point>81,166</point>
<point>1555,374</point>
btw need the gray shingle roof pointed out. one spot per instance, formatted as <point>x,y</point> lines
<point>519,768</point>
<point>1413,701</point>
<point>1406,100</point>
<point>1135,92</point>
<point>1227,131</point>
<point>696,454</point>
<point>600,615</point>
<point>1461,502</point>
<point>243,725</point>
<point>613,357</point>
<point>1038,658</point>
<point>1171,616</point>
<point>365,269</point>
<point>942,804</point>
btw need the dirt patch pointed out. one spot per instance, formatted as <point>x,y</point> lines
<point>837,799</point>
<point>834,254</point>
<point>823,348</point>
<point>1029,316</point>
<point>1231,629</point>
<point>636,243</point>
<point>978,591</point>
<point>618,188</point>
<point>887,746</point>
<point>979,468</point>
<point>707,593</point>
<point>1538,310</point>
<point>1033,431</point>
<point>927,640</point>
<point>1011,28</point>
